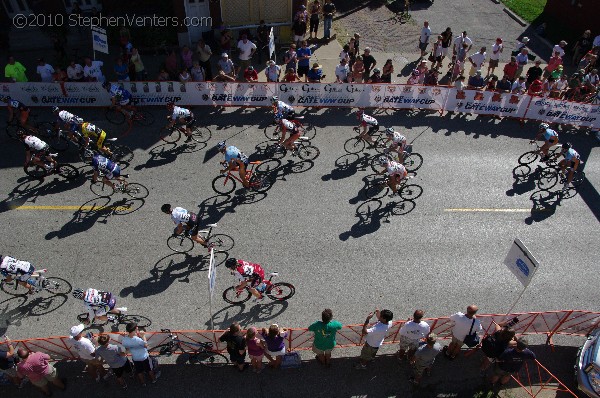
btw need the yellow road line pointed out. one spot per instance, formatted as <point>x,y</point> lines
<point>96,208</point>
<point>475,210</point>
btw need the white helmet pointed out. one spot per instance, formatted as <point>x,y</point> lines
<point>383,160</point>
<point>274,99</point>
<point>544,126</point>
<point>389,131</point>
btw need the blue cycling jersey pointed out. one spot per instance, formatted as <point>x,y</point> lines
<point>571,155</point>
<point>119,92</point>
<point>549,133</point>
<point>102,164</point>
<point>231,153</point>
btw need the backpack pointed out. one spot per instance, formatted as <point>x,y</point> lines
<point>291,360</point>
<point>491,347</point>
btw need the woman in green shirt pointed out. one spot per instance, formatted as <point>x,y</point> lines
<point>325,332</point>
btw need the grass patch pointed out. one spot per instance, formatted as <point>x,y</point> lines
<point>529,10</point>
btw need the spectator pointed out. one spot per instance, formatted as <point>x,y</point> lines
<point>459,84</point>
<point>503,85</point>
<point>495,344</point>
<point>591,79</point>
<point>315,74</point>
<point>423,70</point>
<point>375,77</point>
<point>250,74</point>
<point>74,72</point>
<point>226,66</point>
<point>582,46</point>
<point>263,33</point>
<point>226,39</point>
<point>290,58</point>
<point>554,62</point>
<point>447,36</point>
<point>358,70</point>
<point>476,81</point>
<point>375,336</point>
<point>510,361</point>
<point>424,38</point>
<point>115,357</point>
<point>519,86</point>
<point>299,25</point>
<point>135,342</point>
<point>574,86</point>
<point>510,69</point>
<point>387,72</point>
<point>558,72</point>
<point>369,62</point>
<point>459,41</point>
<point>163,75</point>
<point>560,88</point>
<point>59,48</point>
<point>560,48</point>
<point>186,57</point>
<point>477,60</point>
<point>492,83</point>
<point>351,52</point>
<point>136,60</point>
<point>35,366</point>
<point>411,334</point>
<point>121,70</point>
<point>290,76</point>
<point>171,64</point>
<point>275,343</point>
<point>414,77</point>
<point>184,76</point>
<point>76,11</point>
<point>315,10</point>
<point>431,79</point>
<point>357,43</point>
<point>461,56</point>
<point>437,53</point>
<point>596,42</point>
<point>328,12</point>
<point>45,71</point>
<point>204,53</point>
<point>59,75</point>
<point>92,71</point>
<point>548,86</point>
<point>8,364</point>
<point>325,331</point>
<point>585,62</point>
<point>87,353</point>
<point>520,45</point>
<point>256,349</point>
<point>247,50</point>
<point>534,72</point>
<point>272,71</point>
<point>304,53</point>
<point>463,325</point>
<point>497,49</point>
<point>424,358</point>
<point>222,77</point>
<point>344,54</point>
<point>236,345</point>
<point>197,72</point>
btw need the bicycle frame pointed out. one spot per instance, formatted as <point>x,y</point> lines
<point>249,171</point>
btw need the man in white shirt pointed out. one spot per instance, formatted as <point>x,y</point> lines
<point>497,49</point>
<point>87,353</point>
<point>272,71</point>
<point>424,38</point>
<point>477,61</point>
<point>560,48</point>
<point>75,72</point>
<point>459,40</point>
<point>92,70</point>
<point>247,50</point>
<point>375,336</point>
<point>411,334</point>
<point>518,86</point>
<point>45,71</point>
<point>463,323</point>
<point>341,72</point>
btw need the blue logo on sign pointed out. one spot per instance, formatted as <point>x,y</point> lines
<point>523,267</point>
<point>99,40</point>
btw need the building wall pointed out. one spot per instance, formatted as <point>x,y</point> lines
<point>578,15</point>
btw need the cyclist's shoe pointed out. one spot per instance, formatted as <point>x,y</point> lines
<point>259,299</point>
<point>53,155</point>
<point>119,187</point>
<point>122,309</point>
<point>188,139</point>
<point>48,167</point>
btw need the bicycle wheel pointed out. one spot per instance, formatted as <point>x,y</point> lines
<point>410,192</point>
<point>260,182</point>
<point>578,178</point>
<point>413,161</point>
<point>35,171</point>
<point>521,172</point>
<point>143,117</point>
<point>272,134</point>
<point>56,285</point>
<point>180,243</point>
<point>11,131</point>
<point>403,207</point>
<point>232,296</point>
<point>67,171</point>
<point>380,144</point>
<point>141,320</point>
<point>209,358</point>
<point>10,288</point>
<point>309,131</point>
<point>223,184</point>
<point>281,291</point>
<point>121,153</point>
<point>308,152</point>
<point>221,242</point>
<point>528,157</point>
<point>163,350</point>
<point>173,135</point>
<point>114,116</point>
<point>548,179</point>
<point>136,190</point>
<point>201,134</point>
<point>99,188</point>
<point>354,145</point>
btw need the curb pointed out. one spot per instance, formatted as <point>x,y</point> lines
<point>515,17</point>
<point>496,1</point>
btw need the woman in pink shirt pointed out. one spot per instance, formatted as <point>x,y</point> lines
<point>256,349</point>
<point>35,366</point>
<point>553,63</point>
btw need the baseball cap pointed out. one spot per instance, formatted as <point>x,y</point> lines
<point>75,330</point>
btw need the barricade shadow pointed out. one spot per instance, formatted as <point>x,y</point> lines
<point>247,313</point>
<point>174,267</point>
<point>14,309</point>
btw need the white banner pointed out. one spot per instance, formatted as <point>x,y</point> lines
<point>521,262</point>
<point>404,96</point>
<point>252,94</point>
<point>487,103</point>
<point>99,40</point>
<point>564,112</point>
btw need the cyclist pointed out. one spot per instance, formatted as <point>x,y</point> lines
<point>294,134</point>
<point>15,106</point>
<point>120,98</point>
<point>570,162</point>
<point>396,172</point>
<point>281,109</point>
<point>398,142</point>
<point>185,220</point>
<point>182,116</point>
<point>37,151</point>
<point>70,122</point>
<point>235,160</point>
<point>248,274</point>
<point>98,304</point>
<point>549,136</point>
<point>11,268</point>
<point>366,120</point>
<point>109,170</point>
<point>90,131</point>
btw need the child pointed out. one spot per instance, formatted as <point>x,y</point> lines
<point>290,76</point>
<point>256,349</point>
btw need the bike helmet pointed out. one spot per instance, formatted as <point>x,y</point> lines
<point>383,160</point>
<point>166,208</point>
<point>250,68</point>
<point>221,145</point>
<point>566,146</point>
<point>389,131</point>
<point>274,99</point>
<point>544,126</point>
<point>231,263</point>
<point>5,98</point>
<point>92,128</point>
<point>106,85</point>
<point>55,109</point>
<point>78,294</point>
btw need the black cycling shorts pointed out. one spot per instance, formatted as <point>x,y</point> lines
<point>373,129</point>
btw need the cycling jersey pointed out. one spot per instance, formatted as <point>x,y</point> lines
<point>17,105</point>
<point>179,215</point>
<point>91,131</point>
<point>395,168</point>
<point>120,94</point>
<point>571,155</point>
<point>246,271</point>
<point>233,153</point>
<point>288,125</point>
<point>107,167</point>
<point>179,113</point>
<point>550,134</point>
<point>35,144</point>
<point>398,139</point>
<point>283,108</point>
<point>66,117</point>
<point>20,269</point>
<point>98,303</point>
<point>368,120</point>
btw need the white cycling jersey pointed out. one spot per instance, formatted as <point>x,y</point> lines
<point>11,265</point>
<point>66,117</point>
<point>288,125</point>
<point>370,120</point>
<point>179,113</point>
<point>179,215</point>
<point>283,107</point>
<point>398,139</point>
<point>35,143</point>
<point>393,168</point>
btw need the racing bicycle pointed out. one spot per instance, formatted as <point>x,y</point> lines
<point>133,189</point>
<point>532,156</point>
<point>357,144</point>
<point>64,170</point>
<point>278,291</point>
<point>117,319</point>
<point>308,130</point>
<point>304,150</point>
<point>40,283</point>
<point>198,353</point>
<point>200,134</point>
<point>377,187</point>
<point>183,242</point>
<point>412,160</point>
<point>139,116</point>
<point>226,183</point>
<point>550,176</point>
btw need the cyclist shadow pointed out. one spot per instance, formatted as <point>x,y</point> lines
<point>283,170</point>
<point>161,155</point>
<point>524,180</point>
<point>347,165</point>
<point>30,189</point>
<point>17,308</point>
<point>214,208</point>
<point>372,213</point>
<point>544,205</point>
<point>257,313</point>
